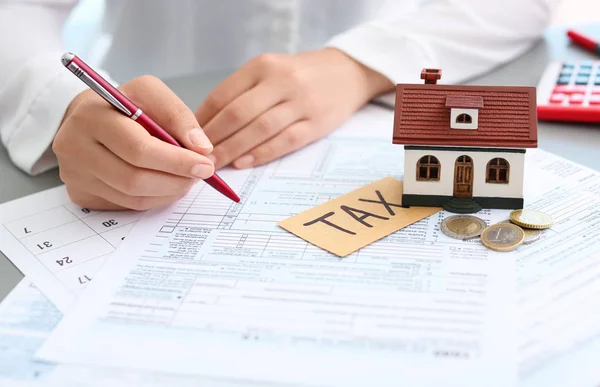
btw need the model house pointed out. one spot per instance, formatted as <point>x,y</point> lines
<point>464,145</point>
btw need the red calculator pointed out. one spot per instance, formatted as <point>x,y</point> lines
<point>570,91</point>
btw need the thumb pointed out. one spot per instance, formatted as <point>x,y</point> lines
<point>162,105</point>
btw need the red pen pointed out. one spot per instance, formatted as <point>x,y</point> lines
<point>584,41</point>
<point>125,106</point>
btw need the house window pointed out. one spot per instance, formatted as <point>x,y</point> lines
<point>497,171</point>
<point>464,119</point>
<point>464,111</point>
<point>428,169</point>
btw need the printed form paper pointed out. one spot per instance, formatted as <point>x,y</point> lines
<point>564,363</point>
<point>27,318</point>
<point>549,354</point>
<point>559,278</point>
<point>57,244</point>
<point>215,288</point>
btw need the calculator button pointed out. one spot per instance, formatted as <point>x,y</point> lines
<point>584,71</point>
<point>566,72</point>
<point>567,89</point>
<point>595,99</point>
<point>567,66</point>
<point>582,80</point>
<point>596,90</point>
<point>561,89</point>
<point>557,98</point>
<point>586,64</point>
<point>563,80</point>
<point>597,81</point>
<point>577,98</point>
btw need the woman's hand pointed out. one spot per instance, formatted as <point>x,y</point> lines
<point>108,161</point>
<point>276,104</point>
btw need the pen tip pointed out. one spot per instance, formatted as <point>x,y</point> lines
<point>217,183</point>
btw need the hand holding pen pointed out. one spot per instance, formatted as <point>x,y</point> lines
<point>127,156</point>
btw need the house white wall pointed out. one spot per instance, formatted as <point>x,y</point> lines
<point>447,159</point>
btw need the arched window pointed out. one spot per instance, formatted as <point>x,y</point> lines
<point>428,169</point>
<point>497,171</point>
<point>464,159</point>
<point>464,118</point>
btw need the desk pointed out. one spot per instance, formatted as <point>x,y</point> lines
<point>579,143</point>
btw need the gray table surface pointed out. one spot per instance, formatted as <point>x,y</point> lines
<point>577,142</point>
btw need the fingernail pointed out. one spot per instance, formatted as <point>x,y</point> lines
<point>202,171</point>
<point>212,158</point>
<point>198,138</point>
<point>244,161</point>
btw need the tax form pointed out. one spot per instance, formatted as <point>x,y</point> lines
<point>552,359</point>
<point>27,318</point>
<point>559,278</point>
<point>215,288</point>
<point>57,244</point>
<point>559,335</point>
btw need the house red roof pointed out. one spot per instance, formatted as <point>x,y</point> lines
<point>507,116</point>
<point>464,101</point>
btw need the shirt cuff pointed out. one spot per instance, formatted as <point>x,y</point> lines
<point>396,56</point>
<point>42,92</point>
<point>30,142</point>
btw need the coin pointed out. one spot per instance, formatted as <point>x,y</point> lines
<point>503,237</point>
<point>531,219</point>
<point>531,235</point>
<point>463,226</point>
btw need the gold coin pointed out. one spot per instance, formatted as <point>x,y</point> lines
<point>503,237</point>
<point>462,226</point>
<point>531,219</point>
<point>531,235</point>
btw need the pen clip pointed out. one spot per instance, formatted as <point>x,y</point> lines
<point>91,82</point>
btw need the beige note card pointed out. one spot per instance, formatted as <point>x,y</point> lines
<point>356,219</point>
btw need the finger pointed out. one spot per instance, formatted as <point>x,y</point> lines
<point>258,131</point>
<point>93,202</point>
<point>162,105</point>
<point>292,138</point>
<point>234,85</point>
<point>243,109</point>
<point>100,194</point>
<point>126,178</point>
<point>130,142</point>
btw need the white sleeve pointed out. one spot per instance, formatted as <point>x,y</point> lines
<point>464,38</point>
<point>35,88</point>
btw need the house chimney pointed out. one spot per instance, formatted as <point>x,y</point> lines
<point>431,76</point>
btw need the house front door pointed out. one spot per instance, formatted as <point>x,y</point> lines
<point>463,177</point>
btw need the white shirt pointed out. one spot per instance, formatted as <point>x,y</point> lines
<point>176,37</point>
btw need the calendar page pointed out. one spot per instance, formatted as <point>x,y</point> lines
<point>59,245</point>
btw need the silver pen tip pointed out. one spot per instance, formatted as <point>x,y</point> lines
<point>67,58</point>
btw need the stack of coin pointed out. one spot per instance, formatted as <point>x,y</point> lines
<point>524,227</point>
<point>506,235</point>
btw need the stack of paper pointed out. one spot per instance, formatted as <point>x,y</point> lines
<point>208,292</point>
